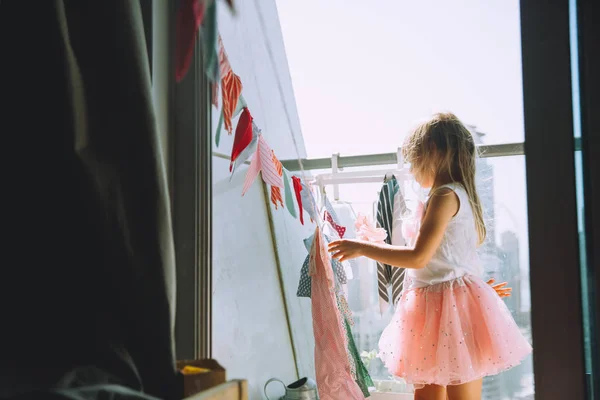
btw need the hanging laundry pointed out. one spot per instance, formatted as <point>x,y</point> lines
<point>275,191</point>
<point>400,214</point>
<point>331,210</point>
<point>361,374</point>
<point>298,191</point>
<point>411,226</point>
<point>365,230</point>
<point>262,162</point>
<point>189,17</point>
<point>388,275</point>
<point>304,285</point>
<point>334,378</point>
<point>243,136</point>
<point>289,200</point>
<point>341,230</point>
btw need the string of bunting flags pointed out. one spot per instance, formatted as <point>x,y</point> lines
<point>198,18</point>
<point>327,298</point>
<point>249,142</point>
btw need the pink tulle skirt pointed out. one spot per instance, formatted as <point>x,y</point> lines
<point>451,333</point>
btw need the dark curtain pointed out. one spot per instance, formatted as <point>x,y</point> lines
<point>88,262</point>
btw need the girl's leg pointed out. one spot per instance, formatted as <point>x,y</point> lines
<point>431,392</point>
<point>466,391</point>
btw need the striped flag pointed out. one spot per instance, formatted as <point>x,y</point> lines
<point>276,197</point>
<point>262,162</point>
<point>386,274</point>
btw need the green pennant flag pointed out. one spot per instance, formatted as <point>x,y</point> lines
<point>210,36</point>
<point>219,129</point>
<point>289,196</point>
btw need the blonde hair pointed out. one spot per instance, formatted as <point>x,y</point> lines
<point>445,144</point>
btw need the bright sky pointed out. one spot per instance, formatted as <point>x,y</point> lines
<point>364,72</point>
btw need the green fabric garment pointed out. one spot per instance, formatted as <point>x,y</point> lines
<point>363,379</point>
<point>289,195</point>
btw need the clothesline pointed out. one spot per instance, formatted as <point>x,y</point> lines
<point>367,160</point>
<point>364,160</point>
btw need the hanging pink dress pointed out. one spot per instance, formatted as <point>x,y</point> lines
<point>334,379</point>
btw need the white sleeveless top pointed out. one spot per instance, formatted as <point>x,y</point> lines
<point>457,254</point>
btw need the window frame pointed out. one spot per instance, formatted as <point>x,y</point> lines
<point>552,209</point>
<point>588,33</point>
<point>189,171</point>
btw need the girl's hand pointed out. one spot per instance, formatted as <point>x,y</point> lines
<point>500,288</point>
<point>346,249</point>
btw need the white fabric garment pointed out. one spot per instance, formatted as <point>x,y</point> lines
<point>346,217</point>
<point>457,254</point>
<point>399,213</point>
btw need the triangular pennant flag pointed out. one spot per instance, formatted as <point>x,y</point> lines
<point>275,191</point>
<point>253,170</point>
<point>224,66</point>
<point>243,136</point>
<point>308,202</point>
<point>240,106</point>
<point>269,168</point>
<point>231,88</point>
<point>289,197</point>
<point>297,190</point>
<point>276,198</point>
<point>248,151</point>
<point>262,162</point>
<point>215,94</point>
<point>189,17</point>
<point>210,41</point>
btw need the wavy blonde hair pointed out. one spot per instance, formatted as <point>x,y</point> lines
<point>444,144</point>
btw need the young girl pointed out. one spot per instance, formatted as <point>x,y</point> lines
<point>450,328</point>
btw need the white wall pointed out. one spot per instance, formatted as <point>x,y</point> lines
<point>251,336</point>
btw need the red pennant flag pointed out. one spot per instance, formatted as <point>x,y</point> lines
<point>243,135</point>
<point>189,19</point>
<point>297,189</point>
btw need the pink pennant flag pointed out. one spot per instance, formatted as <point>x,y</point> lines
<point>262,161</point>
<point>253,170</point>
<point>224,66</point>
<point>270,174</point>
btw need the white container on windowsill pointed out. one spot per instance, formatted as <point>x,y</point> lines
<point>391,396</point>
<point>392,390</point>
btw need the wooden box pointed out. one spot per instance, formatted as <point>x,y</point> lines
<point>196,383</point>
